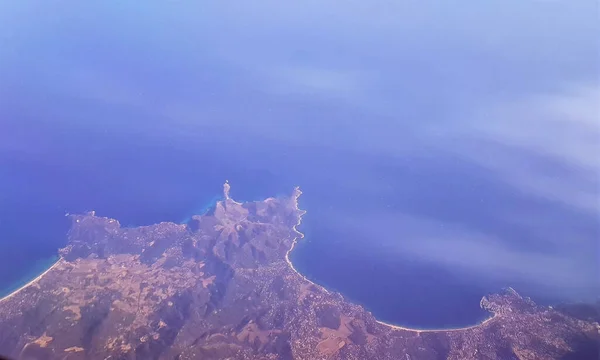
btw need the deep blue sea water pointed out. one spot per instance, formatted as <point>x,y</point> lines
<point>435,169</point>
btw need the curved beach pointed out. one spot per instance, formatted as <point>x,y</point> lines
<point>392,326</point>
<point>35,280</point>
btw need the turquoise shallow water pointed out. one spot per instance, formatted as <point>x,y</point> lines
<point>33,271</point>
<point>203,209</point>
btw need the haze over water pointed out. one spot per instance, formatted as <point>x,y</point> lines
<point>444,152</point>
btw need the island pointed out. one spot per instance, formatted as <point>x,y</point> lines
<point>222,287</point>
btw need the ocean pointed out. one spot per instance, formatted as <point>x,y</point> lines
<point>427,182</point>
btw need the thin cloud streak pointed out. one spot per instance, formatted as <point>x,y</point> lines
<point>461,249</point>
<point>548,145</point>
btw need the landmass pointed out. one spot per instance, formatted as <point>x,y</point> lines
<point>222,287</point>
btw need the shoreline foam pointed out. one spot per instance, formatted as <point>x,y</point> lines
<point>464,328</point>
<point>295,240</point>
<point>392,326</point>
<point>35,280</point>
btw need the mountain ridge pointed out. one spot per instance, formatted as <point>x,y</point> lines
<point>222,286</point>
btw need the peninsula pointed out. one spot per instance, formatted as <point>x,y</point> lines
<point>222,287</point>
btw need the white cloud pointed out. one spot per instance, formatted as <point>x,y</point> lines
<point>546,144</point>
<point>317,80</point>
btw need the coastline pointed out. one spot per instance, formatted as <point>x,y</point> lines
<point>391,326</point>
<point>299,236</point>
<point>35,280</point>
<point>297,194</point>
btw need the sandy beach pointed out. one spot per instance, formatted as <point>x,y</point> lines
<point>397,327</point>
<point>32,281</point>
